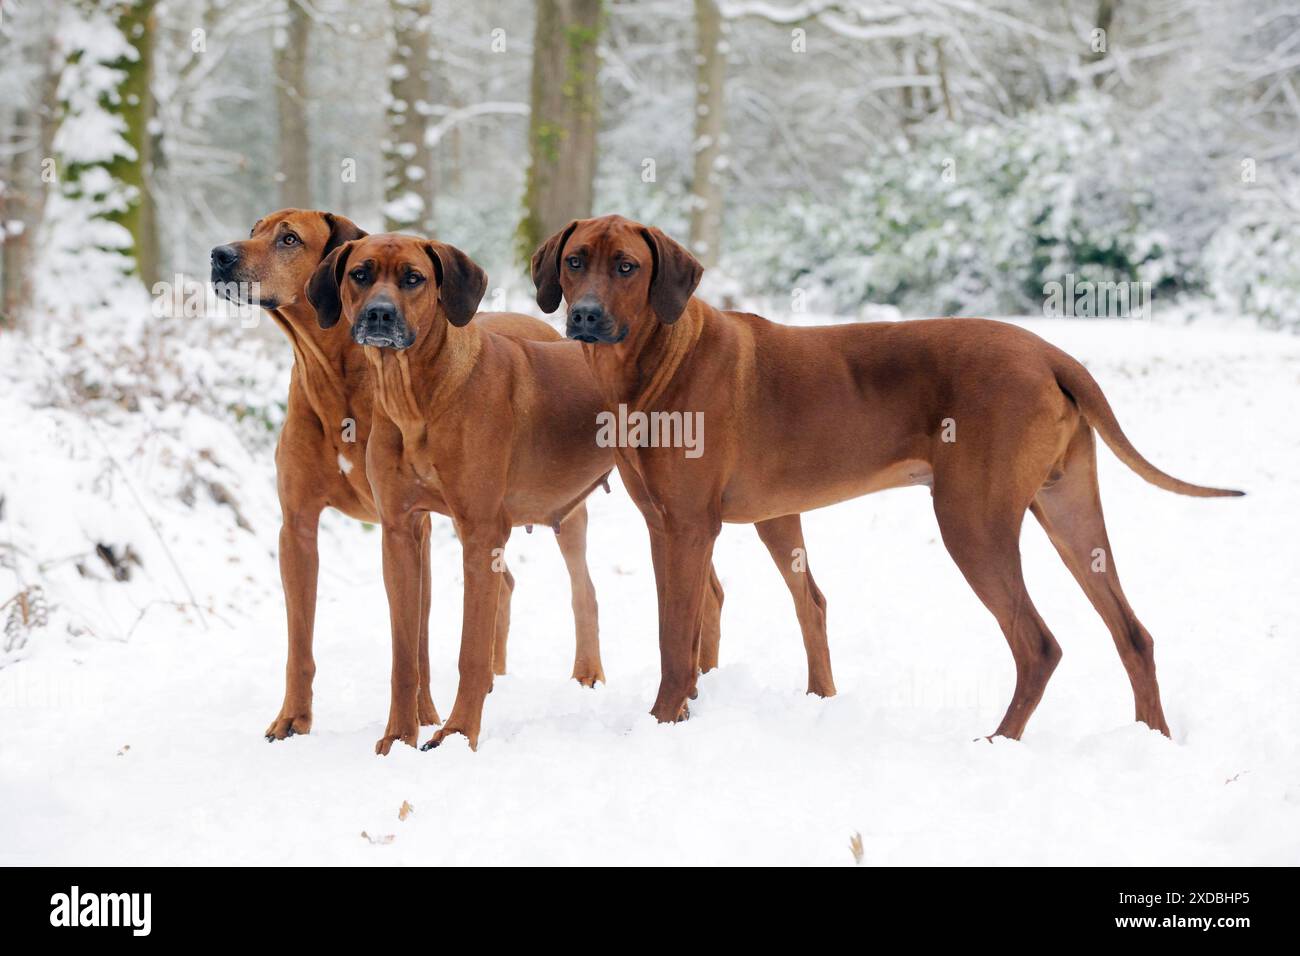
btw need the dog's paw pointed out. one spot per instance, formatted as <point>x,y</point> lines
<point>286,725</point>
<point>385,743</point>
<point>667,714</point>
<point>445,732</point>
<point>404,727</point>
<point>587,674</point>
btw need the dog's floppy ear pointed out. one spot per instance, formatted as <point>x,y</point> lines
<point>675,276</point>
<point>461,283</point>
<point>323,286</point>
<point>342,229</point>
<point>546,269</point>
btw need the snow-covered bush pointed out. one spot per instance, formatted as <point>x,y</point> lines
<point>142,441</point>
<point>1254,266</point>
<point>973,221</point>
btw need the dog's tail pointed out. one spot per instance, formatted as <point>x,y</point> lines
<point>1084,391</point>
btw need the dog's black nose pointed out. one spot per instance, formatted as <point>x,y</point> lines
<point>586,315</point>
<point>223,257</point>
<point>380,311</point>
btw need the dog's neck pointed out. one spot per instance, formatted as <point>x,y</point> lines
<point>638,370</point>
<point>419,384</point>
<point>318,354</point>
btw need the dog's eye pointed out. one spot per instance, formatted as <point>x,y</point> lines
<point>626,268</point>
<point>358,275</point>
<point>574,262</point>
<point>412,279</point>
<point>289,239</point>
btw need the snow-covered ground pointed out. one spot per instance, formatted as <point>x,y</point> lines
<point>131,728</point>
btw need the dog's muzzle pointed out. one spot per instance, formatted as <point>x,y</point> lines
<point>588,322</point>
<point>381,324</point>
<point>224,260</point>
<point>229,282</point>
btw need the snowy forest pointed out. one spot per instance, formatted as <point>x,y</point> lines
<point>828,161</point>
<point>944,156</point>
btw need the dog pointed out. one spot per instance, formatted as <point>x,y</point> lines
<point>494,430</point>
<point>488,428</point>
<point>994,420</point>
<point>320,456</point>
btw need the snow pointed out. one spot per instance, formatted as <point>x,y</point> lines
<point>130,734</point>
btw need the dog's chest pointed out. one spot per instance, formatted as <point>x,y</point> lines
<point>422,466</point>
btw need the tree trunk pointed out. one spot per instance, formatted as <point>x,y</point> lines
<point>135,105</point>
<point>710,128</point>
<point>562,127</point>
<point>14,222</point>
<point>1105,16</point>
<point>907,92</point>
<point>22,195</point>
<point>409,174</point>
<point>291,104</point>
<point>941,69</point>
<point>47,122</point>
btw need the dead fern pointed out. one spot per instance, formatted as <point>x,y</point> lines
<point>26,611</point>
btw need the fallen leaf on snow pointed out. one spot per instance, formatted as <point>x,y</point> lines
<point>855,847</point>
<point>406,810</point>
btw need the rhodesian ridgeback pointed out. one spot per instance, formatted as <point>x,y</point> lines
<point>320,457</point>
<point>990,417</point>
<point>481,426</point>
<point>494,430</point>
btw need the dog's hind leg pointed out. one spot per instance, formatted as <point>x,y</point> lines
<point>711,622</point>
<point>708,630</point>
<point>980,524</point>
<point>1069,510</point>
<point>784,539</point>
<point>572,538</point>
<point>501,632</point>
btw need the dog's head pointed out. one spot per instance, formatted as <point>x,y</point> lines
<point>392,287</point>
<point>272,265</point>
<point>615,275</point>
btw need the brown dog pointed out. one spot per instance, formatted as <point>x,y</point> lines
<point>491,429</point>
<point>320,457</point>
<point>992,418</point>
<point>494,430</point>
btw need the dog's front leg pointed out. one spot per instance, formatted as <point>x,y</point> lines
<point>682,555</point>
<point>299,565</point>
<point>484,544</point>
<point>428,714</point>
<point>403,580</point>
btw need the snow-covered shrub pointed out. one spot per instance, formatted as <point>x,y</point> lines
<point>977,220</point>
<point>141,476</point>
<point>1254,268</point>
